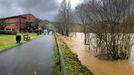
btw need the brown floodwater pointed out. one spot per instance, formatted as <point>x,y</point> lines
<point>97,66</point>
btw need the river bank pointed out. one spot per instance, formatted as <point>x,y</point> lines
<point>98,67</point>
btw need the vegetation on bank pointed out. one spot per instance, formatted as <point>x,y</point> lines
<point>57,60</point>
<point>73,65</point>
<point>8,41</point>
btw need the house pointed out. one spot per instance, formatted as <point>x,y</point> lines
<point>18,23</point>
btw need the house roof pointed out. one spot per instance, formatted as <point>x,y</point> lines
<point>13,17</point>
<point>18,16</point>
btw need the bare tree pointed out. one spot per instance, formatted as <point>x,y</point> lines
<point>2,24</point>
<point>64,18</point>
<point>111,22</point>
<point>83,13</point>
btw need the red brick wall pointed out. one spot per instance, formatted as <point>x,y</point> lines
<point>19,22</point>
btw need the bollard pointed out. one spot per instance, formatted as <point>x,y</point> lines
<point>18,38</point>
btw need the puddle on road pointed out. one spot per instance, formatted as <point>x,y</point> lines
<point>99,67</point>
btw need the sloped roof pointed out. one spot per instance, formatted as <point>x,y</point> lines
<point>18,16</point>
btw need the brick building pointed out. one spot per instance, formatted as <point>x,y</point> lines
<point>18,23</point>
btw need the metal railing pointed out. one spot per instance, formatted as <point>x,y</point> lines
<point>63,66</point>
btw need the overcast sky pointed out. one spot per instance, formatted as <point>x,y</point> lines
<point>43,9</point>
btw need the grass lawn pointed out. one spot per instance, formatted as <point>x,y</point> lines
<point>57,61</point>
<point>8,41</point>
<point>73,65</point>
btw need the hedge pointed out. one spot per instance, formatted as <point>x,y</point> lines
<point>8,32</point>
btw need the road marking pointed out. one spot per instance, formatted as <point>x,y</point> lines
<point>9,73</point>
<point>35,73</point>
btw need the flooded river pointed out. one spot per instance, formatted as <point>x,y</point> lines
<point>99,67</point>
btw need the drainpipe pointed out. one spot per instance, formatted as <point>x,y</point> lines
<point>20,24</point>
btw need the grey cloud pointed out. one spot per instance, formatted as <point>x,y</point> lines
<point>44,9</point>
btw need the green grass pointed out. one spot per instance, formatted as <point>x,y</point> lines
<point>57,61</point>
<point>73,65</point>
<point>8,41</point>
<point>50,26</point>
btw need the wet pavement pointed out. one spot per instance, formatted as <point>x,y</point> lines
<point>32,58</point>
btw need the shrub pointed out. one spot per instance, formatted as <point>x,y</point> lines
<point>8,32</point>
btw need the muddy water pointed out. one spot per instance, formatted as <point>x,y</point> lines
<point>99,67</point>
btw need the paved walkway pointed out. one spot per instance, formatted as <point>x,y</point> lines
<point>32,58</point>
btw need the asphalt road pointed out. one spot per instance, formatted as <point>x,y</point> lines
<point>32,58</point>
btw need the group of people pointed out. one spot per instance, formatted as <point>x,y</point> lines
<point>48,31</point>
